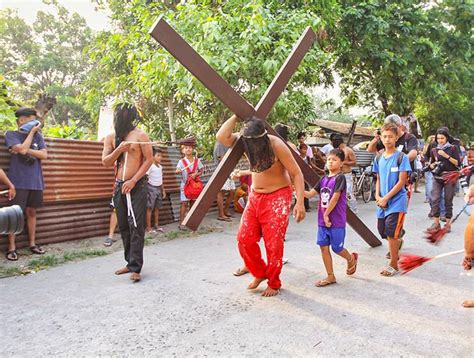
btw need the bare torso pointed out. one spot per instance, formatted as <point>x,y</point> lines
<point>134,156</point>
<point>272,179</point>
<point>349,153</point>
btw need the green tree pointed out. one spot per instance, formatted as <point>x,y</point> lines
<point>244,41</point>
<point>46,58</point>
<point>401,56</point>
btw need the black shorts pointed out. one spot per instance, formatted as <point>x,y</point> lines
<point>391,225</point>
<point>27,198</point>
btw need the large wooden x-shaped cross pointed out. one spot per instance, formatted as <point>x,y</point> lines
<point>162,32</point>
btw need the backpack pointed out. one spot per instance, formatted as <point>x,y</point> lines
<point>193,187</point>
<point>410,178</point>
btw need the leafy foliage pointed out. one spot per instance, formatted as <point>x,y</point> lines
<point>7,106</point>
<point>244,41</point>
<point>401,56</point>
<point>46,58</point>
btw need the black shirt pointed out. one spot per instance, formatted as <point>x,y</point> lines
<point>452,151</point>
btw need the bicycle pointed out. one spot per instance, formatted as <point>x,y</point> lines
<point>364,183</point>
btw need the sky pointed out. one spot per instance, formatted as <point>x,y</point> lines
<point>27,10</point>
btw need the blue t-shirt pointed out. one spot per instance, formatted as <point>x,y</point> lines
<point>25,173</point>
<point>389,171</point>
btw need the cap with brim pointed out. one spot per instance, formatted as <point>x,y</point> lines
<point>191,141</point>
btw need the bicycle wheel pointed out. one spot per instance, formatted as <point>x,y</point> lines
<point>366,188</point>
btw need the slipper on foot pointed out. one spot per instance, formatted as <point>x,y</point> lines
<point>389,271</point>
<point>12,255</point>
<point>352,270</point>
<point>37,250</point>
<point>324,283</point>
<point>239,272</point>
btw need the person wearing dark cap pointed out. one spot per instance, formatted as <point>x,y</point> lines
<point>28,149</point>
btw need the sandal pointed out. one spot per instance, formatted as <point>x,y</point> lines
<point>109,242</point>
<point>224,218</point>
<point>240,272</point>
<point>11,255</point>
<point>182,228</point>
<point>389,272</point>
<point>351,270</point>
<point>433,227</point>
<point>324,283</point>
<point>37,250</point>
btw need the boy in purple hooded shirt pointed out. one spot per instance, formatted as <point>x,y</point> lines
<point>332,216</point>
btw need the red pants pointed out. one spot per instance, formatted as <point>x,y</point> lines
<point>265,215</point>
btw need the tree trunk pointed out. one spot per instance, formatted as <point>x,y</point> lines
<point>171,119</point>
<point>43,106</point>
<point>385,105</point>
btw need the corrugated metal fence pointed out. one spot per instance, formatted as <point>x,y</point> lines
<point>78,190</point>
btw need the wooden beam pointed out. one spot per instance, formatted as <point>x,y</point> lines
<point>190,59</point>
<point>162,32</point>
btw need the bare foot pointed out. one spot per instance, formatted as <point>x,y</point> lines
<point>135,277</point>
<point>255,283</point>
<point>122,271</point>
<point>468,303</point>
<point>269,292</point>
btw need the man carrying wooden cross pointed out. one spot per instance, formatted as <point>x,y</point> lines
<point>267,211</point>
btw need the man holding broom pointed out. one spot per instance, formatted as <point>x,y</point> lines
<point>130,193</point>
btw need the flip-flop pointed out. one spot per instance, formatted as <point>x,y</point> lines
<point>37,250</point>
<point>11,255</point>
<point>223,219</point>
<point>324,283</point>
<point>109,242</point>
<point>239,272</point>
<point>389,272</point>
<point>352,270</point>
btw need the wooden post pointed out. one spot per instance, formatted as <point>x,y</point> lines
<point>351,133</point>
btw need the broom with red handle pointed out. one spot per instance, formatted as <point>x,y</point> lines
<point>435,236</point>
<point>408,262</point>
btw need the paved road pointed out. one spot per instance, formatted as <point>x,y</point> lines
<point>189,304</point>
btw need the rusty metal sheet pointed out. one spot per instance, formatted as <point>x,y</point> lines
<point>78,191</point>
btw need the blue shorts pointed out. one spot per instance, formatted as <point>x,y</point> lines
<point>332,236</point>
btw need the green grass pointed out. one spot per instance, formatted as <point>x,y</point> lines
<point>50,260</point>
